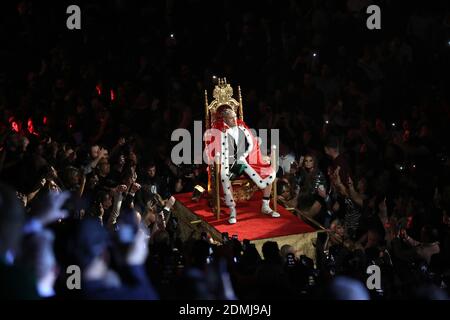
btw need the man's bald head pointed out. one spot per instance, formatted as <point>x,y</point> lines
<point>229,117</point>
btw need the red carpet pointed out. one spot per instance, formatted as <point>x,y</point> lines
<point>251,223</point>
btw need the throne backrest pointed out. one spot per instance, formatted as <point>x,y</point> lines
<point>223,97</point>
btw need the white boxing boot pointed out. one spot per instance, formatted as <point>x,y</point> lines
<point>267,210</point>
<point>232,219</point>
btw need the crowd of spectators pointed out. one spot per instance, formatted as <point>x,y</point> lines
<point>86,118</point>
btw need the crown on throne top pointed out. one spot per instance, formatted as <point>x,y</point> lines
<point>223,92</point>
<point>223,97</point>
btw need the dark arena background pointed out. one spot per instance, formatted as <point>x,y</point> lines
<point>94,97</point>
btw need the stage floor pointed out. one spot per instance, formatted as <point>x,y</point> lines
<point>251,223</point>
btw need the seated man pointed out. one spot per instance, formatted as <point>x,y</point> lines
<point>239,151</point>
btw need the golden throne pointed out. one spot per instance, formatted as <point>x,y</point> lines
<point>243,187</point>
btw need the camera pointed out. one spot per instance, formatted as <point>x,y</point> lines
<point>290,260</point>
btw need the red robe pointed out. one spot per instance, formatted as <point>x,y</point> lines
<point>265,172</point>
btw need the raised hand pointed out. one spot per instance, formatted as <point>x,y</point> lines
<point>101,210</point>
<point>170,202</point>
<point>139,250</point>
<point>135,187</point>
<point>121,188</point>
<point>53,210</point>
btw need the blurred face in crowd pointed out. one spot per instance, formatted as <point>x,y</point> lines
<point>308,163</point>
<point>92,181</point>
<point>151,171</point>
<point>130,178</point>
<point>372,238</point>
<point>95,152</point>
<point>74,178</point>
<point>71,155</point>
<point>132,158</point>
<point>107,201</point>
<point>338,228</point>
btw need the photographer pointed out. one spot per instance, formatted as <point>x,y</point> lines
<point>123,196</point>
<point>95,155</point>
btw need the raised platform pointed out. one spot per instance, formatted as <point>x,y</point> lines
<point>196,217</point>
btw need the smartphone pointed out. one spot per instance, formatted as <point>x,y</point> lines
<point>290,260</point>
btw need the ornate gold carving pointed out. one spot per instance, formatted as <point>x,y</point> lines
<point>245,191</point>
<point>223,92</point>
<point>223,95</point>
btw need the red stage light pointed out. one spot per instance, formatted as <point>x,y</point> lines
<point>44,120</point>
<point>99,89</point>
<point>113,96</point>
